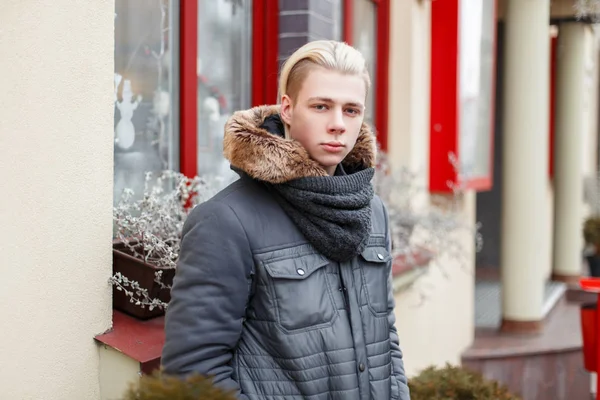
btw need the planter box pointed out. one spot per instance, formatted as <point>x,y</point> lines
<point>137,270</point>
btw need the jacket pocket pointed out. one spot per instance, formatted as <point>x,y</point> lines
<point>301,292</point>
<point>374,261</point>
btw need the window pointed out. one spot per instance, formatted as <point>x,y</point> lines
<point>463,51</point>
<point>367,27</point>
<point>145,131</point>
<point>364,38</point>
<point>477,31</point>
<point>224,76</point>
<point>181,69</point>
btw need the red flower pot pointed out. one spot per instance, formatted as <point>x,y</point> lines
<point>588,331</point>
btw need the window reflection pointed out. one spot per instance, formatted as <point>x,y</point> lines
<point>365,40</point>
<point>143,133</point>
<point>224,73</point>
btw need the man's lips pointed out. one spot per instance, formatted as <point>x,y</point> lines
<point>333,144</point>
<point>333,147</point>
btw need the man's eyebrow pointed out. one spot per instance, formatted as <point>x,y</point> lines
<point>330,100</point>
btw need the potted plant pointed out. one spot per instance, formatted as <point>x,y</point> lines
<point>591,224</point>
<point>424,226</point>
<point>147,240</point>
<point>159,386</point>
<point>456,383</point>
<point>591,235</point>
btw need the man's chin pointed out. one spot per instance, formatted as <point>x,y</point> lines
<point>329,162</point>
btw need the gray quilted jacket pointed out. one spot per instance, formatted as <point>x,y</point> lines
<point>258,308</point>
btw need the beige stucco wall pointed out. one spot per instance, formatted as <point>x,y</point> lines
<point>435,318</point>
<point>56,130</point>
<point>439,328</point>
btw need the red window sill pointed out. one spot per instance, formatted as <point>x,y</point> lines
<point>142,341</point>
<point>417,258</point>
<point>407,268</point>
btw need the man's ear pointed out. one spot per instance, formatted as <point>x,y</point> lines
<point>287,109</point>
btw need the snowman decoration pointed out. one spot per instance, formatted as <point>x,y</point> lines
<point>125,131</point>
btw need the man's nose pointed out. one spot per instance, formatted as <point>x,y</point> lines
<point>336,124</point>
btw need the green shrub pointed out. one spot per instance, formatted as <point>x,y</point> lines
<point>159,386</point>
<point>456,383</point>
<point>591,232</point>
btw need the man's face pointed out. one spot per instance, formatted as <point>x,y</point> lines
<point>327,115</point>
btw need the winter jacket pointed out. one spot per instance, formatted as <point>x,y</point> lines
<point>258,308</point>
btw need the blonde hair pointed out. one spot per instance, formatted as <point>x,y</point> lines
<point>328,54</point>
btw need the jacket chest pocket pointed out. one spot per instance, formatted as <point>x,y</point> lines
<point>374,269</point>
<point>301,292</point>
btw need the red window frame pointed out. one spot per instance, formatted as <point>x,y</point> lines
<point>381,64</point>
<point>444,99</point>
<point>265,28</point>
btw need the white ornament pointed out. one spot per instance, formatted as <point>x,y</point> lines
<point>199,66</point>
<point>161,103</point>
<point>125,131</point>
<point>211,106</point>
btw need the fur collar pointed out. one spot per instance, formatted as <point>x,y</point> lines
<point>271,158</point>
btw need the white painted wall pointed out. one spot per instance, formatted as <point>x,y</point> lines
<point>439,329</point>
<point>56,130</point>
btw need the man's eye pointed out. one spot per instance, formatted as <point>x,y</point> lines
<point>352,111</point>
<point>320,107</point>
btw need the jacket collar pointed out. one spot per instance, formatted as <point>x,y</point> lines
<point>271,158</point>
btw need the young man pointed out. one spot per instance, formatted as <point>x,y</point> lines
<point>283,284</point>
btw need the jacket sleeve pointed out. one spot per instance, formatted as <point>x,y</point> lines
<point>400,384</point>
<point>208,299</point>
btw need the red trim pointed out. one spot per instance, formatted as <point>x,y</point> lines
<point>590,284</point>
<point>382,73</point>
<point>258,52</point>
<point>271,51</point>
<point>142,341</point>
<point>348,21</point>
<point>444,114</point>
<point>188,100</point>
<point>553,47</point>
<point>265,50</point>
<point>480,184</point>
<point>444,93</point>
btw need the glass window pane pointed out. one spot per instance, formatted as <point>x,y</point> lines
<point>224,76</point>
<point>477,31</point>
<point>365,40</point>
<point>144,92</point>
<point>337,19</point>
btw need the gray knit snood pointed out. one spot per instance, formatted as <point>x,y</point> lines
<point>333,212</point>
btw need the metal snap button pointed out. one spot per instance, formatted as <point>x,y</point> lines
<point>361,367</point>
<point>380,256</point>
<point>300,271</point>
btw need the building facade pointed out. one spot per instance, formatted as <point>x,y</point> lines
<point>98,94</point>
